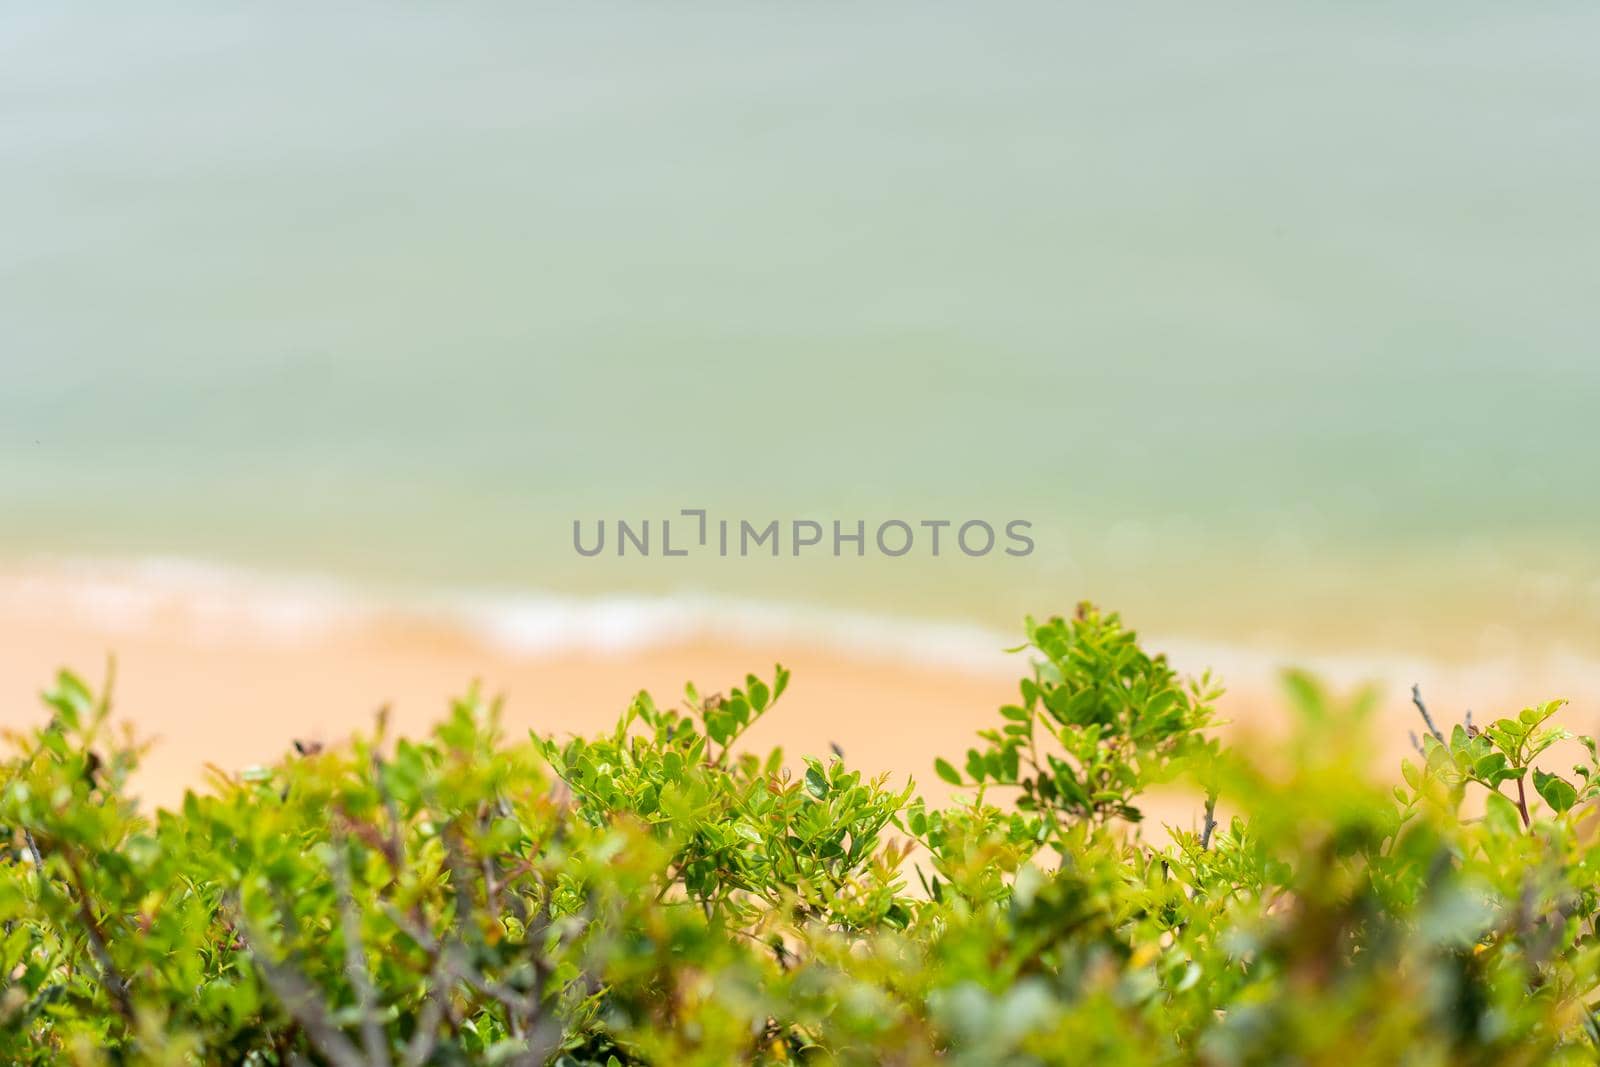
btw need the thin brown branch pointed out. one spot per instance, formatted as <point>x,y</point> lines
<point>299,997</point>
<point>373,1038</point>
<point>1416,698</point>
<point>33,851</point>
<point>1211,821</point>
<point>434,1010</point>
<point>302,1001</point>
<point>110,977</point>
<point>454,958</point>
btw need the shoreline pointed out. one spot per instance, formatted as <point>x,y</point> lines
<point>229,668</point>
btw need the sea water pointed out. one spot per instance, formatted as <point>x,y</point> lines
<point>1277,324</point>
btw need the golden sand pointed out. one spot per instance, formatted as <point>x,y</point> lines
<point>215,687</point>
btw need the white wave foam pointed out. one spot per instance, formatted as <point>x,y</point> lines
<point>207,601</point>
<point>211,602</point>
<point>546,623</point>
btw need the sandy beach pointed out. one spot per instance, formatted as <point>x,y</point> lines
<point>233,677</point>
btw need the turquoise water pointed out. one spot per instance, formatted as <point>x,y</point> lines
<point>1277,324</point>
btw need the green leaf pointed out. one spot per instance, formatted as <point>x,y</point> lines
<point>1544,739</point>
<point>719,726</point>
<point>1489,767</point>
<point>1409,772</point>
<point>944,769</point>
<point>816,783</point>
<point>70,698</point>
<point>1502,816</point>
<point>1556,791</point>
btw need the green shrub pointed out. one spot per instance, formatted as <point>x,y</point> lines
<point>656,895</point>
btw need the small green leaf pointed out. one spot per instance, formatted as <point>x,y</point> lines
<point>1489,767</point>
<point>719,726</point>
<point>1501,815</point>
<point>1556,791</point>
<point>945,770</point>
<point>1409,772</point>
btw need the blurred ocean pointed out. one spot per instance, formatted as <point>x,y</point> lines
<point>1278,323</point>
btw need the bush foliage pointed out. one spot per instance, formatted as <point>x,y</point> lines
<point>658,895</point>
